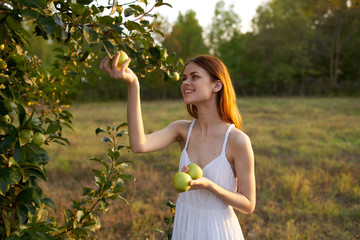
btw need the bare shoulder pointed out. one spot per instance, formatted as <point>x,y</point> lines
<point>181,128</point>
<point>180,125</point>
<point>238,139</point>
<point>240,147</point>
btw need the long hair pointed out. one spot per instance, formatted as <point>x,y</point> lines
<point>226,97</point>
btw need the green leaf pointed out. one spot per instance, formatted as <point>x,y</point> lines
<point>60,138</point>
<point>79,215</point>
<point>120,134</point>
<point>123,199</point>
<point>90,35</point>
<point>107,139</point>
<point>113,154</point>
<point>8,143</point>
<point>8,176</point>
<point>76,8</point>
<point>33,3</point>
<point>130,25</point>
<point>25,196</point>
<point>85,2</point>
<point>137,8</point>
<point>22,213</point>
<point>53,127</point>
<point>79,232</point>
<point>6,222</point>
<point>158,4</point>
<point>21,113</point>
<point>110,48</point>
<point>121,126</point>
<point>29,14</point>
<point>47,23</point>
<point>155,52</point>
<point>36,173</point>
<point>104,205</point>
<point>12,162</point>
<point>49,202</point>
<point>42,215</point>
<point>127,176</point>
<point>128,12</point>
<point>106,20</point>
<point>99,130</point>
<point>19,154</point>
<point>36,199</point>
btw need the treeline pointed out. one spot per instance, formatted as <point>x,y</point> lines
<point>296,48</point>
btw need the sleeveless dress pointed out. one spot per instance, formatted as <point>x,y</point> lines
<point>200,214</point>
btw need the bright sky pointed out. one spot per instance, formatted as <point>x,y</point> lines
<point>246,9</point>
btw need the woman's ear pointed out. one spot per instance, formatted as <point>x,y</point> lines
<point>218,85</point>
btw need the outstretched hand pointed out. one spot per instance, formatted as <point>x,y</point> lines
<point>124,74</point>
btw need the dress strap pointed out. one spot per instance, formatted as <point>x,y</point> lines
<point>226,138</point>
<point>189,133</point>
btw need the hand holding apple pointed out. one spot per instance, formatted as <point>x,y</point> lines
<point>181,180</point>
<point>117,68</point>
<point>121,58</point>
<point>194,171</point>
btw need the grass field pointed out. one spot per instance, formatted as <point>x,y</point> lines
<point>307,154</point>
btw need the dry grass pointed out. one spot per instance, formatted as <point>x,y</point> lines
<point>307,168</point>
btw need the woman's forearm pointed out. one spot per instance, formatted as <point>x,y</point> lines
<point>134,118</point>
<point>234,199</point>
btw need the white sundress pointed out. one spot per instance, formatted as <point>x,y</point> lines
<point>200,214</point>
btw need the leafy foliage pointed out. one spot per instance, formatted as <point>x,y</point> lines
<point>34,104</point>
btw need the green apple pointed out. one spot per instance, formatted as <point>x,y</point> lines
<point>5,118</point>
<point>194,171</point>
<point>39,139</point>
<point>175,76</point>
<point>122,58</point>
<point>181,181</point>
<point>26,136</point>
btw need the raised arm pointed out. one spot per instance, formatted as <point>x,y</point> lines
<point>139,141</point>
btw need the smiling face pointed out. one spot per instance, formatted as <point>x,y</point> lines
<point>197,85</point>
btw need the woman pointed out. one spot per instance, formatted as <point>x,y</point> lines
<point>223,151</point>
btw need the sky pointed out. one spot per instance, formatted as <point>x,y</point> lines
<point>246,9</point>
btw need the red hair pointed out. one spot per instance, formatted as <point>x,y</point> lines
<point>226,97</point>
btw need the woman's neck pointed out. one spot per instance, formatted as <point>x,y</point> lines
<point>208,118</point>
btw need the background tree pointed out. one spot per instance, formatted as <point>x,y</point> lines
<point>34,100</point>
<point>337,25</point>
<point>186,36</point>
<point>225,24</point>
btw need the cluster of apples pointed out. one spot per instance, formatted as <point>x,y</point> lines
<point>28,136</point>
<point>181,180</point>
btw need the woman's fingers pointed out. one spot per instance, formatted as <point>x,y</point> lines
<point>115,61</point>
<point>105,64</point>
<point>124,66</point>
<point>185,169</point>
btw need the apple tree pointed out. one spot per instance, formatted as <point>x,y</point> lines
<point>34,107</point>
